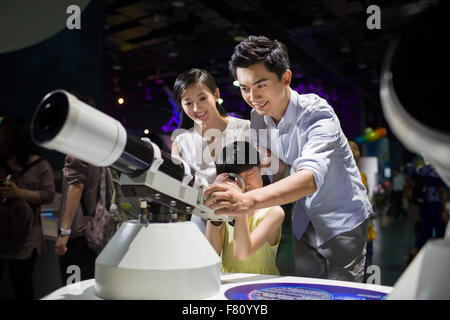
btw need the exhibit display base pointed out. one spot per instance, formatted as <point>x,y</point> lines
<point>246,286</point>
<point>157,261</point>
<point>426,277</point>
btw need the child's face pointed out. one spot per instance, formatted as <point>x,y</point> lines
<point>199,103</point>
<point>263,90</point>
<point>252,178</point>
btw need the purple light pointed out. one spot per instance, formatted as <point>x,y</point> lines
<point>148,95</point>
<point>174,121</point>
<point>232,114</point>
<point>171,125</point>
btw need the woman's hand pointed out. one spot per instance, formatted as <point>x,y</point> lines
<point>11,190</point>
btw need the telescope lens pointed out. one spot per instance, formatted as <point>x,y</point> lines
<point>50,117</point>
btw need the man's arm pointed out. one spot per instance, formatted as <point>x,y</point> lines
<point>228,199</point>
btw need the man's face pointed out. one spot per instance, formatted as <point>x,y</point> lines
<point>263,90</point>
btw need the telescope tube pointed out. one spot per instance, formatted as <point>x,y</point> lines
<point>64,123</point>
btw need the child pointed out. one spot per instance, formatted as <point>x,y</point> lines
<point>251,245</point>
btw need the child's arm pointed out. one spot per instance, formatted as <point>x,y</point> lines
<point>215,236</point>
<point>246,243</point>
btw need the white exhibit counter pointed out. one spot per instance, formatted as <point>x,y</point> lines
<point>240,286</point>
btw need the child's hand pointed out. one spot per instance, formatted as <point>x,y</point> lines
<point>227,178</point>
<point>222,178</point>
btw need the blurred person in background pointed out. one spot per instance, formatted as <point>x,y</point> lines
<point>371,235</point>
<point>398,183</point>
<point>430,196</point>
<point>27,182</point>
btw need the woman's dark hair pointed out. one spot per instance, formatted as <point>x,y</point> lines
<point>17,140</point>
<point>183,81</point>
<point>256,49</point>
<point>237,157</point>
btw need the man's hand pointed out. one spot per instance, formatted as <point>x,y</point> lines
<point>228,198</point>
<point>61,245</point>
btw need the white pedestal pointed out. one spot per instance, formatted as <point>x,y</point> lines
<point>157,261</point>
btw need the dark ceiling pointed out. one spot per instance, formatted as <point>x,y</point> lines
<point>332,52</point>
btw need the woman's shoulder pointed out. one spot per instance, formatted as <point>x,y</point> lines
<point>181,132</point>
<point>181,136</point>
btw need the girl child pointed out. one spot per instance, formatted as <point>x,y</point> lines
<point>251,245</point>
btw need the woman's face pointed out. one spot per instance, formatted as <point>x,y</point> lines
<point>199,103</point>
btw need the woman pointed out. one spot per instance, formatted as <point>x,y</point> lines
<point>27,182</point>
<point>204,126</point>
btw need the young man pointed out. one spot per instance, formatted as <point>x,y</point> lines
<point>332,208</point>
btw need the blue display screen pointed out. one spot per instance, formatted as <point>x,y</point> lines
<point>300,291</point>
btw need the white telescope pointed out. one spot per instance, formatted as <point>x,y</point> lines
<point>144,259</point>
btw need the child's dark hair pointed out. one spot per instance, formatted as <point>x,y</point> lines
<point>256,49</point>
<point>183,81</point>
<point>237,157</point>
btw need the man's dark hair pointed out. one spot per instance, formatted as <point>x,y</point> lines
<point>237,157</point>
<point>183,81</point>
<point>256,49</point>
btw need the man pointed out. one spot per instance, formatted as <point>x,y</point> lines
<point>332,208</point>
